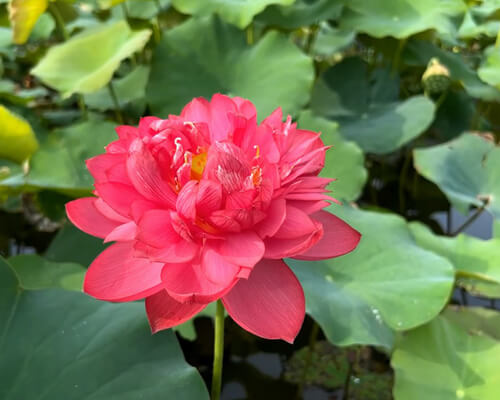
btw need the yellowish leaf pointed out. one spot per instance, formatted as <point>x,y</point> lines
<point>17,139</point>
<point>23,15</point>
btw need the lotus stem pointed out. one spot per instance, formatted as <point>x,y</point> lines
<point>116,103</point>
<point>218,351</point>
<point>59,21</point>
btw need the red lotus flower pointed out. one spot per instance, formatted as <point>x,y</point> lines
<point>206,205</point>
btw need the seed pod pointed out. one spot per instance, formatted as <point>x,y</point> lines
<point>436,78</point>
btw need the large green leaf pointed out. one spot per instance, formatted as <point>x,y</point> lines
<point>420,52</point>
<point>36,272</point>
<point>344,161</point>
<point>17,139</point>
<point>470,256</point>
<point>400,18</point>
<point>58,344</point>
<point>206,56</point>
<point>239,13</point>
<point>466,169</point>
<point>129,88</point>
<point>387,283</point>
<point>87,61</point>
<point>301,13</point>
<point>444,361</point>
<point>59,164</point>
<point>373,118</point>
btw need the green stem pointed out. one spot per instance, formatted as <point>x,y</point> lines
<point>59,21</point>
<point>81,106</point>
<point>250,34</point>
<point>402,179</point>
<point>311,38</point>
<point>218,351</point>
<point>470,220</point>
<point>396,61</point>
<point>118,112</point>
<point>312,343</point>
<point>156,30</point>
<point>125,10</point>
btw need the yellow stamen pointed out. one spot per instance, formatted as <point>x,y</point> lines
<point>198,165</point>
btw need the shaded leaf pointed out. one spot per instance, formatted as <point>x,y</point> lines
<point>208,56</point>
<point>36,272</point>
<point>58,344</point>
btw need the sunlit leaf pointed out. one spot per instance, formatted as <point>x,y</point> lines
<point>239,13</point>
<point>470,256</point>
<point>87,61</point>
<point>466,169</point>
<point>301,13</point>
<point>388,283</point>
<point>444,361</point>
<point>17,139</point>
<point>23,15</point>
<point>206,56</point>
<point>400,18</point>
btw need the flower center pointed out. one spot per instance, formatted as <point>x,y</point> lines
<point>198,165</point>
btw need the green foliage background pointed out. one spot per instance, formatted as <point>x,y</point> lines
<point>407,93</point>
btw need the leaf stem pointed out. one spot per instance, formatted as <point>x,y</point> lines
<point>402,179</point>
<point>59,21</point>
<point>471,219</point>
<point>250,34</point>
<point>218,351</point>
<point>396,61</point>
<point>311,38</point>
<point>312,343</point>
<point>81,105</point>
<point>116,103</point>
<point>125,10</point>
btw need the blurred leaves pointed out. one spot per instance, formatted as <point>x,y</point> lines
<point>59,164</point>
<point>209,56</point>
<point>87,61</point>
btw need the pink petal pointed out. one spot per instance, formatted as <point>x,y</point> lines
<point>220,124</point>
<point>155,229</point>
<point>216,268</point>
<point>209,197</point>
<point>270,303</point>
<point>123,233</point>
<point>244,249</point>
<point>339,238</point>
<point>118,196</point>
<point>276,214</point>
<point>198,110</point>
<point>108,212</point>
<point>85,216</point>
<point>188,283</point>
<point>164,312</point>
<point>297,224</point>
<point>186,200</point>
<point>283,248</point>
<point>98,165</point>
<point>144,172</point>
<point>180,252</point>
<point>116,275</point>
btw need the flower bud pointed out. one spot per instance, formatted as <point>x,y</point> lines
<point>436,78</point>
